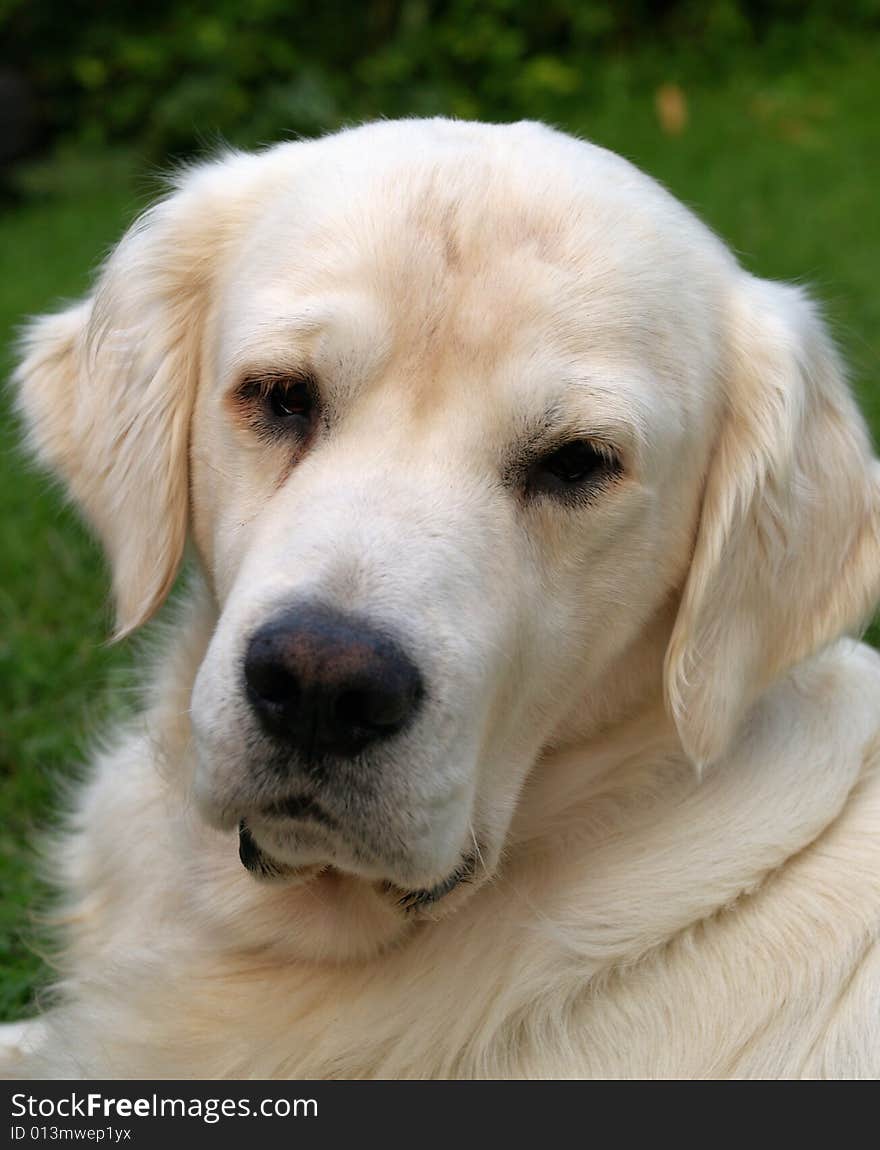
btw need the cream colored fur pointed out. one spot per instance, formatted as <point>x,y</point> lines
<point>644,717</point>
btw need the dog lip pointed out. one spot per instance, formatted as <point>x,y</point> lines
<point>254,858</point>
<point>263,866</point>
<point>412,901</point>
<point>299,807</point>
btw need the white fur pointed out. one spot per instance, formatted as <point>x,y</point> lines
<point>641,715</point>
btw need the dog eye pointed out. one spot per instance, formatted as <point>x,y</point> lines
<point>289,399</point>
<point>572,467</point>
<point>275,405</point>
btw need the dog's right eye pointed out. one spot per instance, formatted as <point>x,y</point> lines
<point>290,399</point>
<point>278,404</point>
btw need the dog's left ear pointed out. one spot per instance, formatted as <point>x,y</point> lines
<point>106,388</point>
<point>787,553</point>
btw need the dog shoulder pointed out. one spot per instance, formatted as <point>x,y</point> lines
<point>827,706</point>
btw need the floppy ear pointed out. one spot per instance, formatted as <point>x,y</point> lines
<point>106,388</point>
<point>787,554</point>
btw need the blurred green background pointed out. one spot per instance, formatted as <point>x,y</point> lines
<point>763,116</point>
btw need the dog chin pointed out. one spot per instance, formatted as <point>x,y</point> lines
<point>412,902</point>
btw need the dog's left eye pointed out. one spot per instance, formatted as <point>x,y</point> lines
<point>575,465</point>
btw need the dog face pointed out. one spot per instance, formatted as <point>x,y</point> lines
<point>455,416</point>
<point>429,471</point>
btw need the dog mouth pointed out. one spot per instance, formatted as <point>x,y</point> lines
<point>258,862</point>
<point>412,901</point>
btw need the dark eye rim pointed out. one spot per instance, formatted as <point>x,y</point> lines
<point>260,399</point>
<point>574,469</point>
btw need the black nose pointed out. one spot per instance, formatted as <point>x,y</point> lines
<point>328,683</point>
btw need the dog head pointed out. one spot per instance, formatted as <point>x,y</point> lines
<point>455,416</point>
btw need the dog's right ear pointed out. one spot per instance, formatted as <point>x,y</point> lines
<point>106,388</point>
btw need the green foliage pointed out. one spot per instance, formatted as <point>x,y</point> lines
<point>173,73</point>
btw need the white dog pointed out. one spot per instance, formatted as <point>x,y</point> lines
<point>507,728</point>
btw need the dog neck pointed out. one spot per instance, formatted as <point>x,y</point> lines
<point>612,799</point>
<point>628,692</point>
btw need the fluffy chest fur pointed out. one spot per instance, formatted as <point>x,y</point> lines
<point>645,923</point>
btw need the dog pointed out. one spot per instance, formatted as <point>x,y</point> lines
<point>513,721</point>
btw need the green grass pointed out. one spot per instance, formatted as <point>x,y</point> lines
<point>54,662</point>
<point>785,166</point>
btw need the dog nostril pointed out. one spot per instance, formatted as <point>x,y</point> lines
<point>327,683</point>
<point>268,680</point>
<point>377,709</point>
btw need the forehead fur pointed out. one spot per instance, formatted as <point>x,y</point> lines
<point>454,251</point>
<point>464,193</point>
